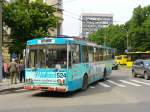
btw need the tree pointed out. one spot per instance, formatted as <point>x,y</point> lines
<point>139,27</point>
<point>113,35</point>
<point>136,31</point>
<point>27,20</point>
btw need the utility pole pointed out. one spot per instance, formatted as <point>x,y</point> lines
<point>105,36</point>
<point>1,41</point>
<point>58,8</point>
<point>127,41</point>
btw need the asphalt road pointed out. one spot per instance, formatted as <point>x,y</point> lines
<point>120,93</point>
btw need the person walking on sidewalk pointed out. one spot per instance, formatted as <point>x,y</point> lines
<point>5,70</point>
<point>13,71</point>
<point>22,71</point>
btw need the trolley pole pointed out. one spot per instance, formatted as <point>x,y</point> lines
<point>1,41</point>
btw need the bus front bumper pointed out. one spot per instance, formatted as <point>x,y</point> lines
<point>43,88</point>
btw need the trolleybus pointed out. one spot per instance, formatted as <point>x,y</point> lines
<point>65,64</point>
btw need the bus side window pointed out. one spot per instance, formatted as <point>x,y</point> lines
<point>91,54</point>
<point>70,59</point>
<point>85,53</point>
<point>100,54</point>
<point>96,54</point>
<point>105,54</point>
<point>75,54</point>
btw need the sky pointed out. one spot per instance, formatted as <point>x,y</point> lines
<point>122,11</point>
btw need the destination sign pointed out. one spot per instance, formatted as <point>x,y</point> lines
<point>46,41</point>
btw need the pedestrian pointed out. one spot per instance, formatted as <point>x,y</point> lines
<point>22,71</point>
<point>5,70</point>
<point>13,71</point>
<point>18,71</point>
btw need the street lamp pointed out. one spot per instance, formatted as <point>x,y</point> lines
<point>58,12</point>
<point>105,36</point>
<point>127,41</point>
<point>125,29</point>
<point>127,38</point>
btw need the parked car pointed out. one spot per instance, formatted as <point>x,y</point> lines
<point>142,68</point>
<point>115,66</point>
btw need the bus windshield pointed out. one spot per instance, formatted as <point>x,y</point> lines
<point>47,56</point>
<point>118,57</point>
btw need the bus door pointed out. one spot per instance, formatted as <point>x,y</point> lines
<point>75,67</point>
<point>74,54</point>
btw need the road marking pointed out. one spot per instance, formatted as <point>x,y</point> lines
<point>115,83</point>
<point>129,83</point>
<point>92,87</point>
<point>103,84</point>
<point>141,82</point>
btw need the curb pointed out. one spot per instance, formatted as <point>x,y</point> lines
<point>11,89</point>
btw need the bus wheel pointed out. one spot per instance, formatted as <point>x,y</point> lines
<point>85,82</point>
<point>146,76</point>
<point>133,74</point>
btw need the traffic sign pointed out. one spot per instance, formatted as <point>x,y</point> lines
<point>14,56</point>
<point>126,50</point>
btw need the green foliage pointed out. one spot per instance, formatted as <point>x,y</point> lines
<point>113,35</point>
<point>27,20</point>
<point>139,27</point>
<point>136,31</point>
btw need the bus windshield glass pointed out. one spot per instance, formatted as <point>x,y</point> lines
<point>47,56</point>
<point>119,57</point>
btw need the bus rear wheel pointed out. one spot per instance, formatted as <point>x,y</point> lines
<point>85,82</point>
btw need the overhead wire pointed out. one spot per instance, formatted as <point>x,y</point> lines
<point>72,15</point>
<point>68,1</point>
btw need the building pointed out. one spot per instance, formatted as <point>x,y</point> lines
<point>6,41</point>
<point>91,22</point>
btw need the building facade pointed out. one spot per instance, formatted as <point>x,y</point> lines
<point>92,22</point>
<point>58,5</point>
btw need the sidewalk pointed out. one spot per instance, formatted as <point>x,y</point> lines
<point>6,86</point>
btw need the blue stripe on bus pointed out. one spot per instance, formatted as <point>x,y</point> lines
<point>74,84</point>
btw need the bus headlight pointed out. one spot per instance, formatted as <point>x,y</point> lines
<point>58,67</point>
<point>61,81</point>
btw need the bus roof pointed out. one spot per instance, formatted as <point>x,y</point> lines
<point>62,40</point>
